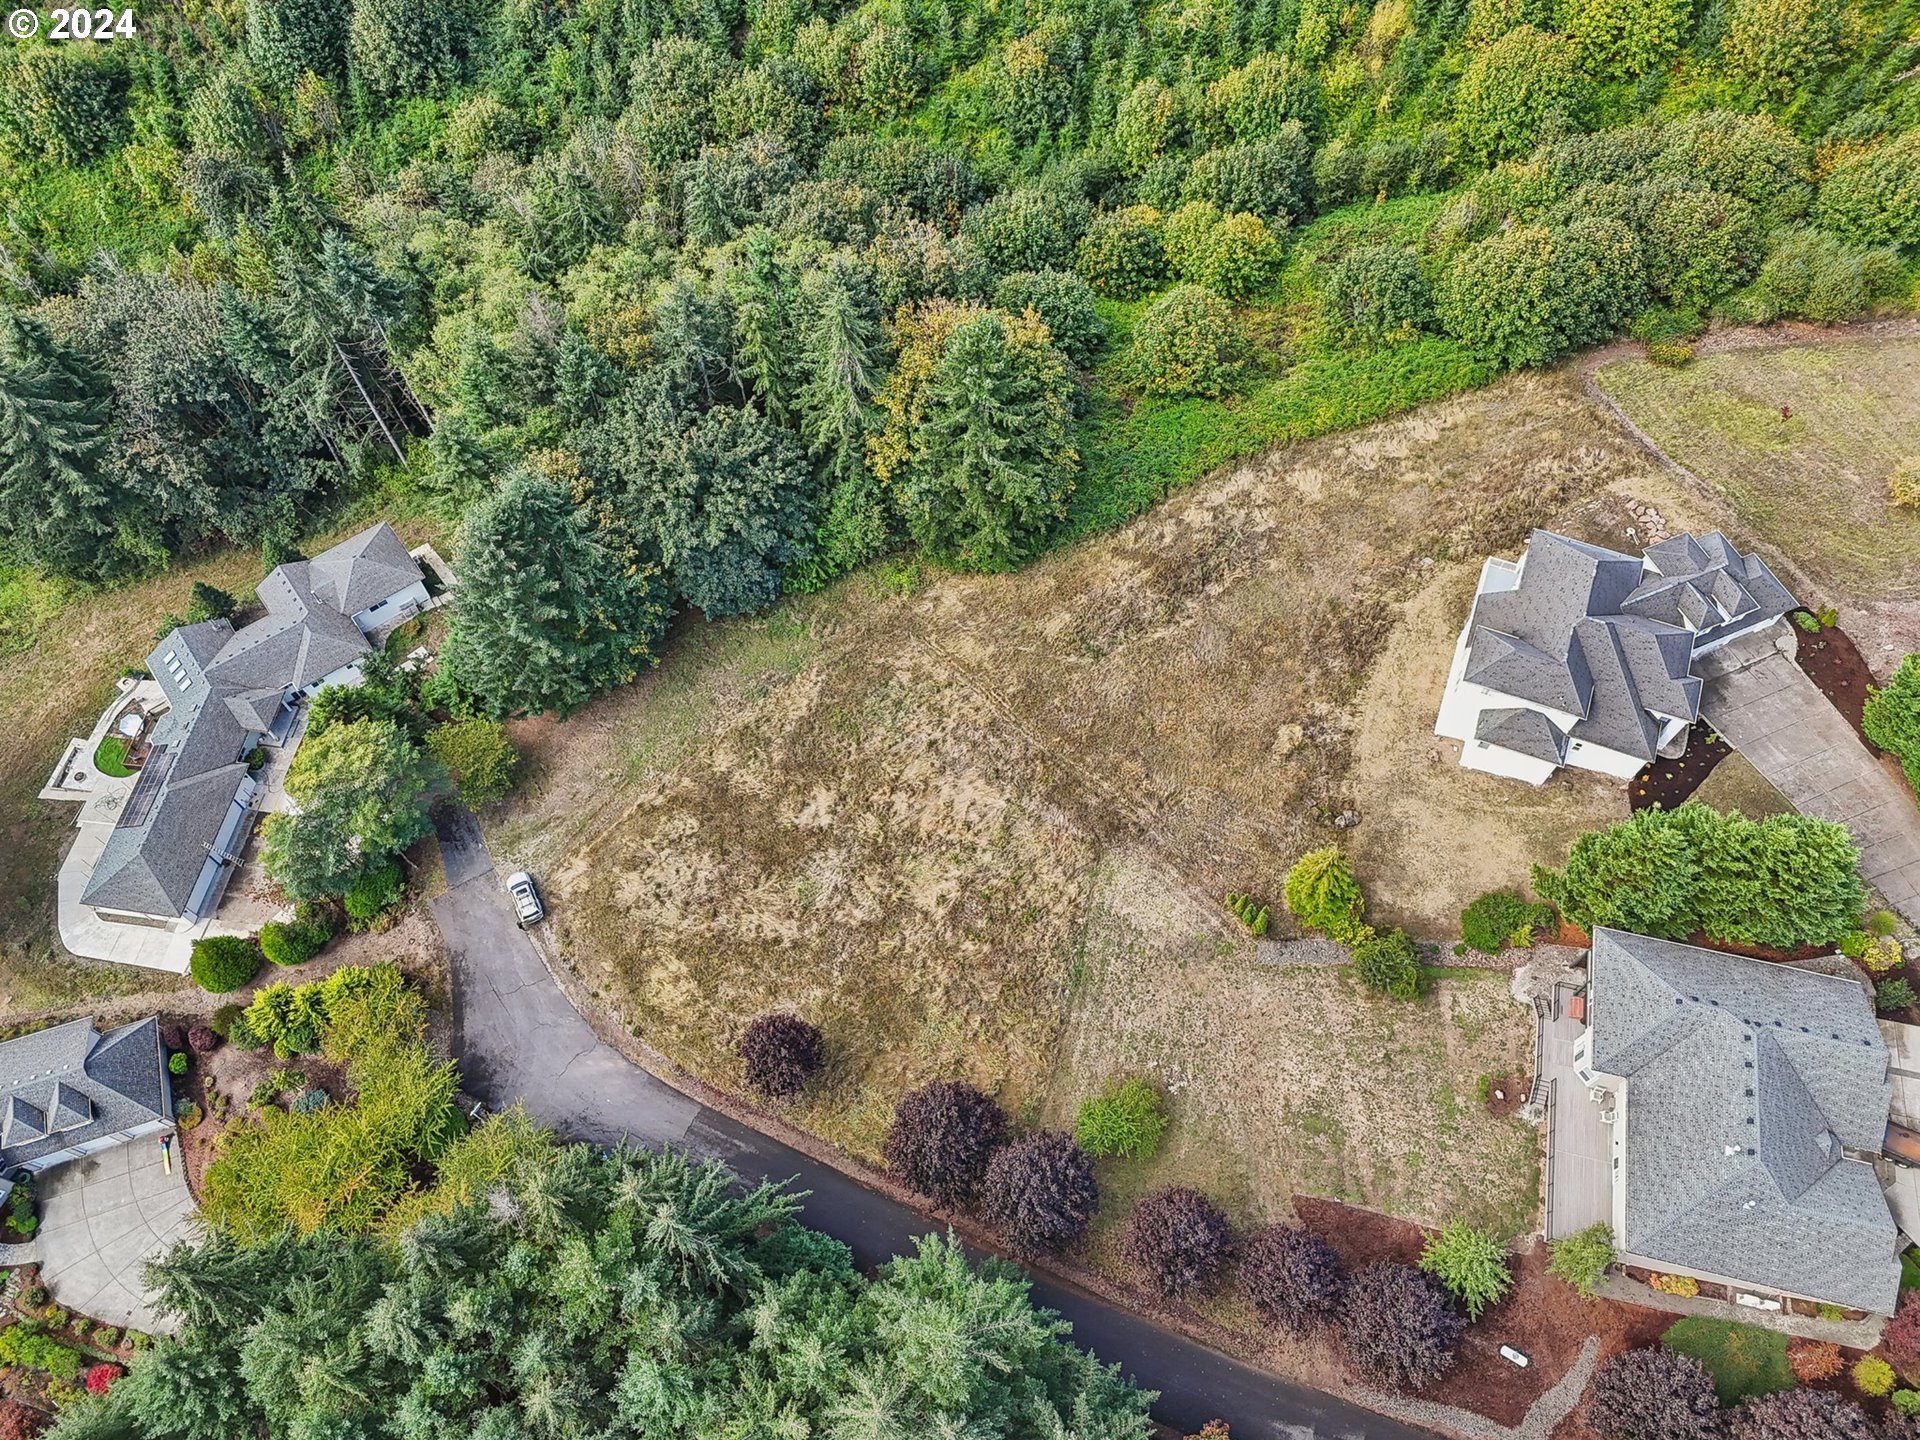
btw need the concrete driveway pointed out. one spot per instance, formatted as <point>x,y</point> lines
<point>101,1219</point>
<point>518,1037</point>
<point>1764,704</point>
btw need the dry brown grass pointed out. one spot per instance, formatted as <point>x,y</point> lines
<point>903,815</point>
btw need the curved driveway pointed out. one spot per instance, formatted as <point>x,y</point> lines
<point>518,1038</point>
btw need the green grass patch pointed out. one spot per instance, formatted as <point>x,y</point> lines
<point>1296,386</point>
<point>28,601</point>
<point>1743,1359</point>
<point>1910,1268</point>
<point>110,758</point>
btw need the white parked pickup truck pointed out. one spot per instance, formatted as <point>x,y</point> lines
<point>527,909</point>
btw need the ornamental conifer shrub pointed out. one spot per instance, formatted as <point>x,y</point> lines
<point>941,1138</point>
<point>1323,895</point>
<point>1471,1264</point>
<point>221,963</point>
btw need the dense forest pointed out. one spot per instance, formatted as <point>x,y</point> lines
<point>676,304</point>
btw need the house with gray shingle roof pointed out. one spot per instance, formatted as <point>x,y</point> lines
<point>181,827</point>
<point>70,1090</point>
<point>1745,1102</point>
<point>1579,655</point>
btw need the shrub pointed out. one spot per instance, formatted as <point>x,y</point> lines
<point>202,1040</point>
<point>288,944</point>
<point>941,1139</point>
<point>1670,355</point>
<point>1685,1286</point>
<point>1872,1375</point>
<point>1891,717</point>
<point>1784,881</point>
<point>1817,276</point>
<point>1386,963</point>
<point>477,755</point>
<point>1147,124</point>
<point>1893,995</point>
<point>1376,294</point>
<point>1185,343</point>
<point>1232,255</point>
<point>1903,485</point>
<point>1266,95</point>
<point>781,1053</point>
<point>177,1063</point>
<point>1040,1192</point>
<point>1063,302</point>
<point>1874,196</point>
<point>1582,1258</point>
<point>1323,895</point>
<point>1127,1120</point>
<point>1901,1333</point>
<point>1700,244</point>
<point>1499,919</point>
<point>107,1336</point>
<point>17,1422</point>
<point>100,1377</point>
<point>308,1102</point>
<point>1774,45</point>
<point>1799,1415</point>
<point>1470,1263</point>
<point>1618,39</point>
<point>1270,178</point>
<point>1906,1402</point>
<point>19,1346</point>
<point>1653,1394</point>
<point>1516,91</point>
<point>1121,254</point>
<point>1179,1239</point>
<point>223,963</point>
<point>1399,1329</point>
<point>1812,1360</point>
<point>187,1115</point>
<point>373,891</point>
<point>1291,1278</point>
<point>1529,294</point>
<point>1023,229</point>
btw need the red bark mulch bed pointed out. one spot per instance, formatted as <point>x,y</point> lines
<point>1542,1318</point>
<point>1668,783</point>
<point>1757,952</point>
<point>1834,663</point>
<point>1506,1094</point>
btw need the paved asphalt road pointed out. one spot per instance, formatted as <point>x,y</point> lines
<point>518,1037</point>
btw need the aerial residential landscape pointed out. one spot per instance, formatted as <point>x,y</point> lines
<point>863,721</point>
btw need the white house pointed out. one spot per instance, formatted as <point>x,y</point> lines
<point>1579,655</point>
<point>178,834</point>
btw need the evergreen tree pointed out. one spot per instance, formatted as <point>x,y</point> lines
<point>763,302</point>
<point>990,458</point>
<point>841,351</point>
<point>288,38</point>
<point>58,492</point>
<point>546,614</point>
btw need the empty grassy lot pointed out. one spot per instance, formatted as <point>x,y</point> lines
<point>1799,441</point>
<point>979,826</point>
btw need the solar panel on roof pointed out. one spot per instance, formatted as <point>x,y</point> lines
<point>153,778</point>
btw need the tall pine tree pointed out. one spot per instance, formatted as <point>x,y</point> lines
<point>546,614</point>
<point>841,352</point>
<point>58,492</point>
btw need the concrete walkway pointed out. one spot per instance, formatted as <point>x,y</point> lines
<point>102,1219</point>
<point>1764,704</point>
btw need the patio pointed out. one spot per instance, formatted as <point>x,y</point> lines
<point>1579,1147</point>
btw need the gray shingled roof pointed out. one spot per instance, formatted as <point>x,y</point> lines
<point>1746,1084</point>
<point>1527,732</point>
<point>68,1084</point>
<point>363,570</point>
<point>1610,638</point>
<point>223,688</point>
